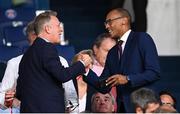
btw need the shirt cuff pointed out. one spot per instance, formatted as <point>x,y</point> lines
<point>86,73</point>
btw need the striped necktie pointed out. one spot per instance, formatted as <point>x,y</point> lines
<point>120,49</point>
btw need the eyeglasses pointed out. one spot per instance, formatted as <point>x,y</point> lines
<point>110,20</point>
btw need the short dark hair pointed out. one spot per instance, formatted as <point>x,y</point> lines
<point>30,28</point>
<point>142,97</point>
<point>112,97</point>
<point>41,19</point>
<point>124,13</point>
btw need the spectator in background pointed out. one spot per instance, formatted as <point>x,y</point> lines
<point>139,9</point>
<point>144,100</point>
<point>166,109</point>
<point>167,98</point>
<point>8,86</point>
<point>84,91</point>
<point>102,103</point>
<point>102,44</point>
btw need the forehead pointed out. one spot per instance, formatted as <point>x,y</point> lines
<point>113,14</point>
<point>108,42</point>
<point>98,95</point>
<point>54,19</point>
<point>166,97</point>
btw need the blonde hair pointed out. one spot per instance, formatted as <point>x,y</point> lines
<point>87,51</point>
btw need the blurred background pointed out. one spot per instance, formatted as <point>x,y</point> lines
<point>83,21</point>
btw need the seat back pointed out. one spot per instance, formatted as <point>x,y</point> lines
<point>66,51</point>
<point>17,14</point>
<point>6,53</point>
<point>2,70</point>
<point>14,34</point>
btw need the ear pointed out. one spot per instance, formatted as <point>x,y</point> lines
<point>47,28</point>
<point>124,21</point>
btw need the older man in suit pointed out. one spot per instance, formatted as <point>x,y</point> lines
<point>130,64</point>
<point>41,74</point>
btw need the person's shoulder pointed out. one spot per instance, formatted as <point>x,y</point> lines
<point>143,36</point>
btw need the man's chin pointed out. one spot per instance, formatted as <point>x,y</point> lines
<point>104,110</point>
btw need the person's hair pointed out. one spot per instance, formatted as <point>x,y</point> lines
<point>142,97</point>
<point>166,92</point>
<point>94,95</point>
<point>30,28</point>
<point>88,52</point>
<point>100,38</point>
<point>41,19</point>
<point>124,13</point>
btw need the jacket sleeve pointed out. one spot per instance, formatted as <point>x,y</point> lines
<point>53,66</point>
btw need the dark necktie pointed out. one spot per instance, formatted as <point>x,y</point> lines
<point>120,49</point>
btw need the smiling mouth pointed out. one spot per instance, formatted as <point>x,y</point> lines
<point>110,31</point>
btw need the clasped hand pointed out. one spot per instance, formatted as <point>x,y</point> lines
<point>9,97</point>
<point>86,59</point>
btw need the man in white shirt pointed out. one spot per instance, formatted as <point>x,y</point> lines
<point>8,86</point>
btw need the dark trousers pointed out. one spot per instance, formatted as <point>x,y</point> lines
<point>121,108</point>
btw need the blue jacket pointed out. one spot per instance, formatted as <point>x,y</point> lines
<point>139,61</point>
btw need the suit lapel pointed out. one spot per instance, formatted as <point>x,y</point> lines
<point>126,51</point>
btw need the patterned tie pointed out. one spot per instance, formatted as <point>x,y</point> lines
<point>120,49</point>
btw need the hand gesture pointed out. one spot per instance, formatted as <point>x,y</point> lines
<point>87,60</point>
<point>116,79</point>
<point>9,97</point>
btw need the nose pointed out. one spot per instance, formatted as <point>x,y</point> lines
<point>61,27</point>
<point>102,101</point>
<point>106,25</point>
<point>61,30</point>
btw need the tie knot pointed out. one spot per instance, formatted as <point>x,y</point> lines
<point>120,42</point>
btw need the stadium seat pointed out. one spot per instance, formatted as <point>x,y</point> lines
<point>7,53</point>
<point>66,51</point>
<point>15,35</point>
<point>17,14</point>
<point>2,70</point>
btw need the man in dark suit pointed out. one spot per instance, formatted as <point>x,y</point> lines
<point>129,65</point>
<point>41,74</point>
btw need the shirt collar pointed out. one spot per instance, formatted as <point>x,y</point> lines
<point>45,39</point>
<point>125,36</point>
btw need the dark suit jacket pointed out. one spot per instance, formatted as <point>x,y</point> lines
<point>41,74</point>
<point>139,61</point>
